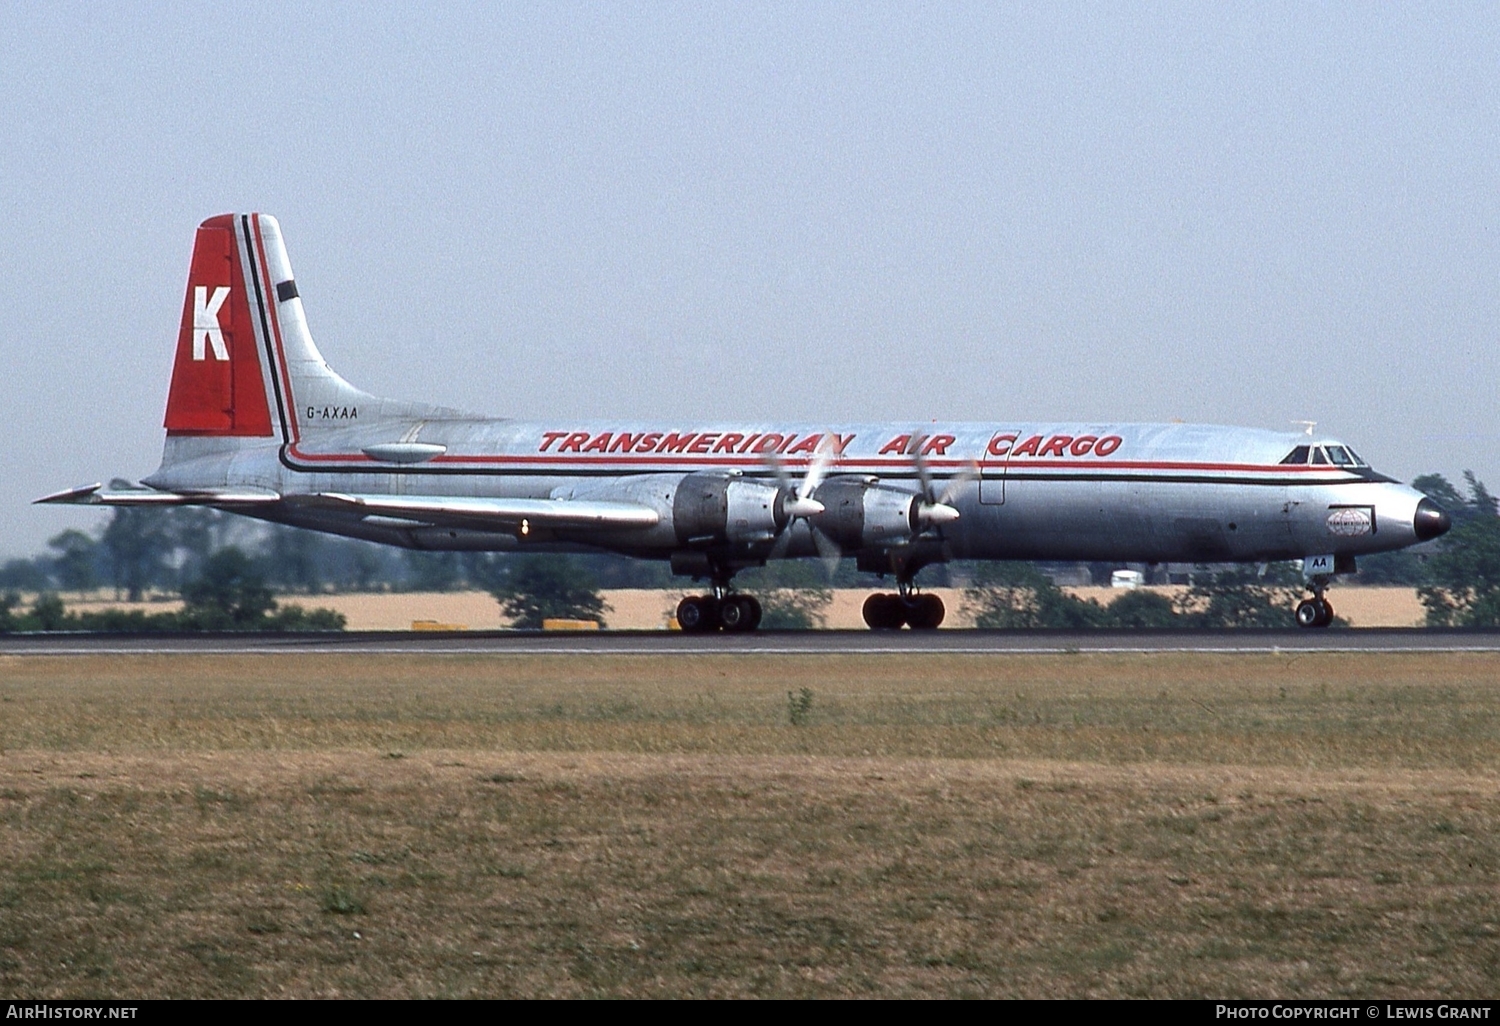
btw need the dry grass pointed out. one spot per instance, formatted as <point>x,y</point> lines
<point>1043,826</point>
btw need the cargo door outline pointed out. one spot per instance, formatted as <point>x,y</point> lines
<point>992,467</point>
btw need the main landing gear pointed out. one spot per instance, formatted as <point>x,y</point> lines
<point>1316,611</point>
<point>730,612</point>
<point>887,612</point>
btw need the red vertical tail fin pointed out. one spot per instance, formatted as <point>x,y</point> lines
<point>218,384</point>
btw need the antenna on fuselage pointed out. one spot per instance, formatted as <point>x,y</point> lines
<point>1307,426</point>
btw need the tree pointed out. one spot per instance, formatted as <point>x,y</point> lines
<point>138,543</point>
<point>230,594</point>
<point>196,533</point>
<point>1018,595</point>
<point>1402,567</point>
<point>1441,491</point>
<point>26,574</point>
<point>537,588</point>
<point>793,593</point>
<point>433,571</point>
<point>1463,578</point>
<point>1244,597</point>
<point>73,566</point>
<point>1143,609</point>
<point>1465,575</point>
<point>294,558</point>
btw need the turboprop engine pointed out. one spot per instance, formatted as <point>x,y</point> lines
<point>861,513</point>
<point>717,508</point>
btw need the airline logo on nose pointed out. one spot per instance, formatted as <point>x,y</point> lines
<point>206,329</point>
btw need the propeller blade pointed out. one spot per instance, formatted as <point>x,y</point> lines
<point>782,543</point>
<point>914,452</point>
<point>817,468</point>
<point>773,462</point>
<point>799,501</point>
<point>957,482</point>
<point>828,551</point>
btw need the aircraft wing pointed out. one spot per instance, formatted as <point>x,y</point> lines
<point>508,515</point>
<point>98,495</point>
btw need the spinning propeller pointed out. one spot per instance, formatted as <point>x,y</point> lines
<point>800,505</point>
<point>932,509</point>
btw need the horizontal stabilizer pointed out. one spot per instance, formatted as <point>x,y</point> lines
<point>96,495</point>
<point>498,514</point>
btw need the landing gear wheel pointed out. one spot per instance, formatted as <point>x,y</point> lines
<point>925,612</point>
<point>1307,613</point>
<point>884,612</point>
<point>698,613</point>
<point>1314,612</point>
<point>739,613</point>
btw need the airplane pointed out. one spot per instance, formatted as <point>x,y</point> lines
<point>258,424</point>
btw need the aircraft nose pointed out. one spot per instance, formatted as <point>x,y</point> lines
<point>1429,521</point>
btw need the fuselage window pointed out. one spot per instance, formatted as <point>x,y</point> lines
<point>1339,455</point>
<point>1317,456</point>
<point>1297,456</point>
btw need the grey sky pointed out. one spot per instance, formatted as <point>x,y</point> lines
<point>1235,214</point>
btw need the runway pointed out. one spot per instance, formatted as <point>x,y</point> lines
<point>623,643</point>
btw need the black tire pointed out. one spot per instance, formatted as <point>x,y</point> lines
<point>1326,619</point>
<point>736,614</point>
<point>1309,613</point>
<point>925,613</point>
<point>755,611</point>
<point>697,614</point>
<point>884,612</point>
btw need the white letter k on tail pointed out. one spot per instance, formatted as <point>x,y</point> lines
<point>206,321</point>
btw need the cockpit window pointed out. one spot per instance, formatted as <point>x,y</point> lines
<point>1340,456</point>
<point>1317,456</point>
<point>1297,456</point>
<point>1358,460</point>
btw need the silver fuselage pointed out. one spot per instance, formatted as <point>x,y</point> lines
<point>1162,492</point>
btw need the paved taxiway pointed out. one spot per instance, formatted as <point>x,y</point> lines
<point>766,643</point>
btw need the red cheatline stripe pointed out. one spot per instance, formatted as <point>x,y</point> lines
<point>562,463</point>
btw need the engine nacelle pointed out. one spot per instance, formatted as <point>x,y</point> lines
<point>711,508</point>
<point>861,513</point>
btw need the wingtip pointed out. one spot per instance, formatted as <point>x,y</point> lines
<point>67,495</point>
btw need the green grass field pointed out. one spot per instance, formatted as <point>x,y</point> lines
<point>1183,825</point>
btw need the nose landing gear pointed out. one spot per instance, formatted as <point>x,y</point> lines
<point>1316,611</point>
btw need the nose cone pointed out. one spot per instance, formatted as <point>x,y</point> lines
<point>1429,521</point>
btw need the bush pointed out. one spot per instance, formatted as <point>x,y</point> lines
<point>1143,609</point>
<point>1244,597</point>
<point>1018,595</point>
<point>538,588</point>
